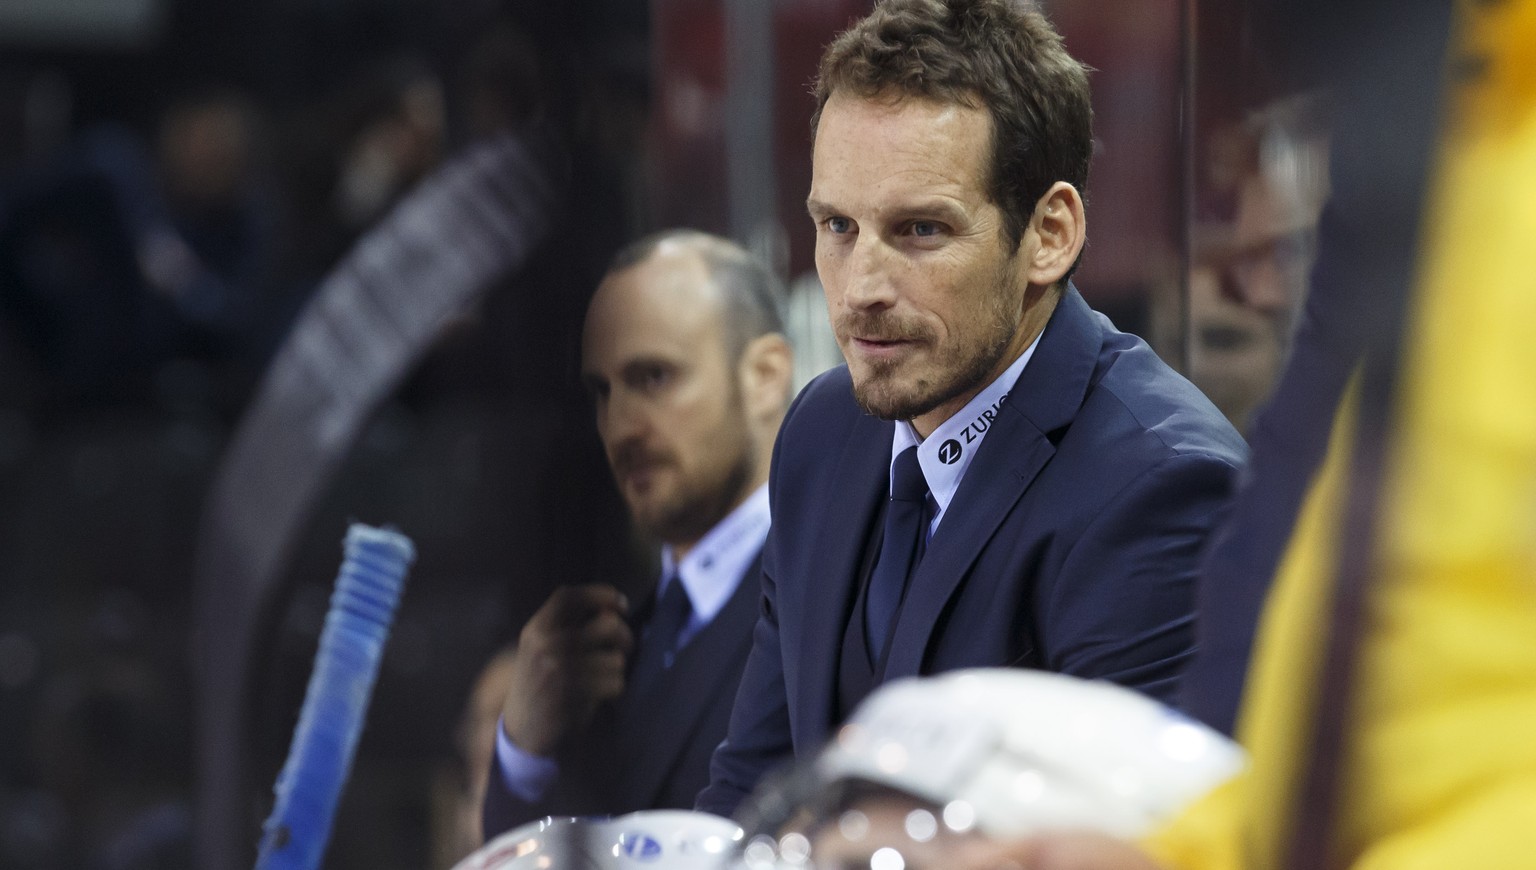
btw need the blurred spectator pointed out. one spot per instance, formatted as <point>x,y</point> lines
<point>217,264</point>
<point>398,142</point>
<point>500,84</point>
<point>1278,204</point>
<point>356,151</point>
<point>1234,350</point>
<point>1253,249</point>
<point>116,260</point>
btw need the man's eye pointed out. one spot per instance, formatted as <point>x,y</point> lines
<point>924,229</point>
<point>652,379</point>
<point>839,225</point>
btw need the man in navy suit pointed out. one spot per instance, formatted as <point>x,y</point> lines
<point>609,711</point>
<point>1061,477</point>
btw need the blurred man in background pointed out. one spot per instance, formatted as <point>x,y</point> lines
<point>119,258</point>
<point>609,708</point>
<point>1253,244</point>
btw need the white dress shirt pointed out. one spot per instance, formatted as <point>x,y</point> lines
<point>946,454</point>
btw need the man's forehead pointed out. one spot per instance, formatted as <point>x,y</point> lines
<point>665,301</point>
<point>913,149</point>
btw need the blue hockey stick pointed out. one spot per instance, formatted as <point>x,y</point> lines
<point>336,702</point>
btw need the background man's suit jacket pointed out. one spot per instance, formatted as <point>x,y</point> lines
<point>650,750</point>
<point>1071,545</point>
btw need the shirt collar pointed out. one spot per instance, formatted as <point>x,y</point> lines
<point>947,453</point>
<point>711,570</point>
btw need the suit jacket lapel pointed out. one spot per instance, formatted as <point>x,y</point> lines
<point>1018,445</point>
<point>853,498</point>
<point>657,729</point>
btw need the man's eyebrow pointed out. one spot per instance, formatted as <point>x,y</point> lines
<point>645,364</point>
<point>939,208</point>
<point>943,209</point>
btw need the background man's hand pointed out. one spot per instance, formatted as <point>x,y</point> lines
<point>570,658</point>
<point>1065,851</point>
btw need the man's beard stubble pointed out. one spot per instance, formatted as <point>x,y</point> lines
<point>966,366</point>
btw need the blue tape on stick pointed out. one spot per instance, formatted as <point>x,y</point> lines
<point>336,702</point>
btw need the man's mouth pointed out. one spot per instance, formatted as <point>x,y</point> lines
<point>637,472</point>
<point>880,348</point>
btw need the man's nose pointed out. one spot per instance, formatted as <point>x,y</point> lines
<point>870,272</point>
<point>623,419</point>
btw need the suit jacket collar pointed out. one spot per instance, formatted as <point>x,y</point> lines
<point>1053,385</point>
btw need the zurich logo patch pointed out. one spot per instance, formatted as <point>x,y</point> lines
<point>949,452</point>
<point>639,846</point>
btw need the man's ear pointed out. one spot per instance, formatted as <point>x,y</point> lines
<point>766,369</point>
<point>1059,228</point>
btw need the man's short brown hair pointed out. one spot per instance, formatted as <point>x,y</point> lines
<point>1000,55</point>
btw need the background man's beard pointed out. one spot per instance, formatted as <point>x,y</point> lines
<point>693,513</point>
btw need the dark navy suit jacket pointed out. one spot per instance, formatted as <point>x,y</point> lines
<point>652,751</point>
<point>1071,545</point>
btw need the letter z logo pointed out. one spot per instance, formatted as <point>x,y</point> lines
<point>949,452</point>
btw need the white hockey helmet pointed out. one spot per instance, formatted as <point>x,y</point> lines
<point>994,752</point>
